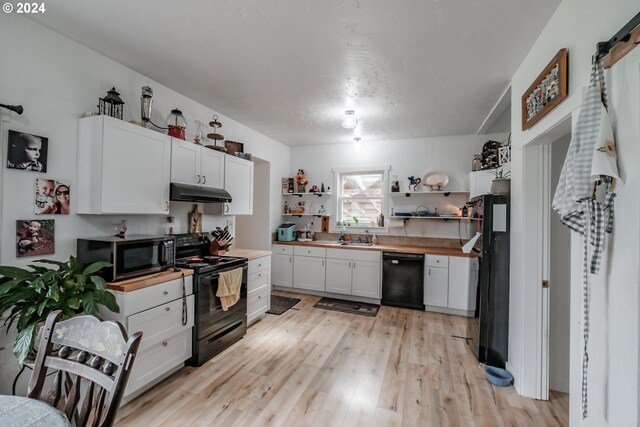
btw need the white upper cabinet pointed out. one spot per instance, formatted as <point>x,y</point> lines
<point>196,165</point>
<point>122,168</point>
<point>238,181</point>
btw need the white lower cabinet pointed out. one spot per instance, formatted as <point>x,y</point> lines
<point>338,280</point>
<point>366,279</point>
<point>436,291</point>
<point>309,273</point>
<point>282,266</point>
<point>354,272</point>
<point>157,311</point>
<point>258,288</point>
<point>450,284</point>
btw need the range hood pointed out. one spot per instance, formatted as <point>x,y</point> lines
<point>193,193</point>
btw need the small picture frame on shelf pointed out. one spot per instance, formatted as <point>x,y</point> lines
<point>234,147</point>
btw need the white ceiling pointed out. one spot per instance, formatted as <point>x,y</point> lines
<point>290,68</point>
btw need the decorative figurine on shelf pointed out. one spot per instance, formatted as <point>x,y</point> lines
<point>314,189</point>
<point>413,182</point>
<point>395,186</point>
<point>322,188</point>
<point>300,210</point>
<point>302,181</point>
<point>286,207</point>
<point>322,210</point>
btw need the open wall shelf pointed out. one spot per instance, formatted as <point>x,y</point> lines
<point>422,193</point>
<point>306,214</point>
<point>307,194</point>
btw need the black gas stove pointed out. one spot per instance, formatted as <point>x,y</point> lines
<point>214,329</point>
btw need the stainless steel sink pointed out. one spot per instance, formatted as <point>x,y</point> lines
<point>333,242</point>
<point>355,244</point>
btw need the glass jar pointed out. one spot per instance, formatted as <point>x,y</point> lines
<point>476,165</point>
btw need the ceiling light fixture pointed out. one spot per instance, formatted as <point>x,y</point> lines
<point>349,121</point>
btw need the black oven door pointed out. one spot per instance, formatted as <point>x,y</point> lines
<point>211,317</point>
<point>136,258</point>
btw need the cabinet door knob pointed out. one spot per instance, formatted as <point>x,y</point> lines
<point>165,293</point>
<point>164,343</point>
<point>429,271</point>
<point>290,259</point>
<point>322,262</point>
<point>354,264</point>
<point>198,178</point>
<point>167,309</point>
<point>204,179</point>
<point>349,264</point>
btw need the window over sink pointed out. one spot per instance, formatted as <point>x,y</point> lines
<point>361,196</point>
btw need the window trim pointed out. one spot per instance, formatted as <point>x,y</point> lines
<point>360,170</point>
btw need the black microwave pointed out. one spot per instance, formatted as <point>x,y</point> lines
<point>131,256</point>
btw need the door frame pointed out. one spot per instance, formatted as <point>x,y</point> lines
<point>537,197</point>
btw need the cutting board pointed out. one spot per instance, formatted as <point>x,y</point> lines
<point>195,220</point>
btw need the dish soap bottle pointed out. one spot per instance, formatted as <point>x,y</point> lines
<point>374,240</point>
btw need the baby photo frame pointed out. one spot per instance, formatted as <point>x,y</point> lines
<point>52,197</point>
<point>27,152</point>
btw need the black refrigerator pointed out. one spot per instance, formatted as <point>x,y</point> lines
<point>489,330</point>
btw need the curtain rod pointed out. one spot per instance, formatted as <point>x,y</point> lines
<point>623,35</point>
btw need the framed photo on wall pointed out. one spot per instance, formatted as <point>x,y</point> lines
<point>35,237</point>
<point>27,152</point>
<point>52,197</point>
<point>548,90</point>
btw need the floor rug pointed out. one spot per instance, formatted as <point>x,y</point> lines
<point>353,307</point>
<point>281,304</point>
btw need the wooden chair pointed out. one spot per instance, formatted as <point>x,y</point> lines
<point>93,360</point>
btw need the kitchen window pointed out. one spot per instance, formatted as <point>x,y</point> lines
<point>361,196</point>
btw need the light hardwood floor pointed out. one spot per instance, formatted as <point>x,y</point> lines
<point>316,367</point>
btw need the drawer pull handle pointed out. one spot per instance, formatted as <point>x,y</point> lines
<point>164,343</point>
<point>259,265</point>
<point>167,309</point>
<point>165,293</point>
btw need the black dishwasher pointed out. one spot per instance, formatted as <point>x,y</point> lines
<point>403,280</point>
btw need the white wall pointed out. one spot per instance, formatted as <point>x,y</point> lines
<point>560,282</point>
<point>578,25</point>
<point>56,80</point>
<point>407,157</point>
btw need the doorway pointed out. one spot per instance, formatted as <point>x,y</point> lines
<point>559,276</point>
<point>547,308</point>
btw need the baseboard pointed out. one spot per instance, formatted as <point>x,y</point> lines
<point>453,311</point>
<point>516,375</point>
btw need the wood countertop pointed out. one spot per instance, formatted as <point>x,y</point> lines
<point>248,253</point>
<point>148,280</point>
<point>427,250</point>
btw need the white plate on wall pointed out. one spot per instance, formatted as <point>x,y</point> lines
<point>435,181</point>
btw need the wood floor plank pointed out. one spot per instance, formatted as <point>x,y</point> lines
<point>315,367</point>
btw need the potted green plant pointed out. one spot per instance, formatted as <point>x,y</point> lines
<point>501,183</point>
<point>27,296</point>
